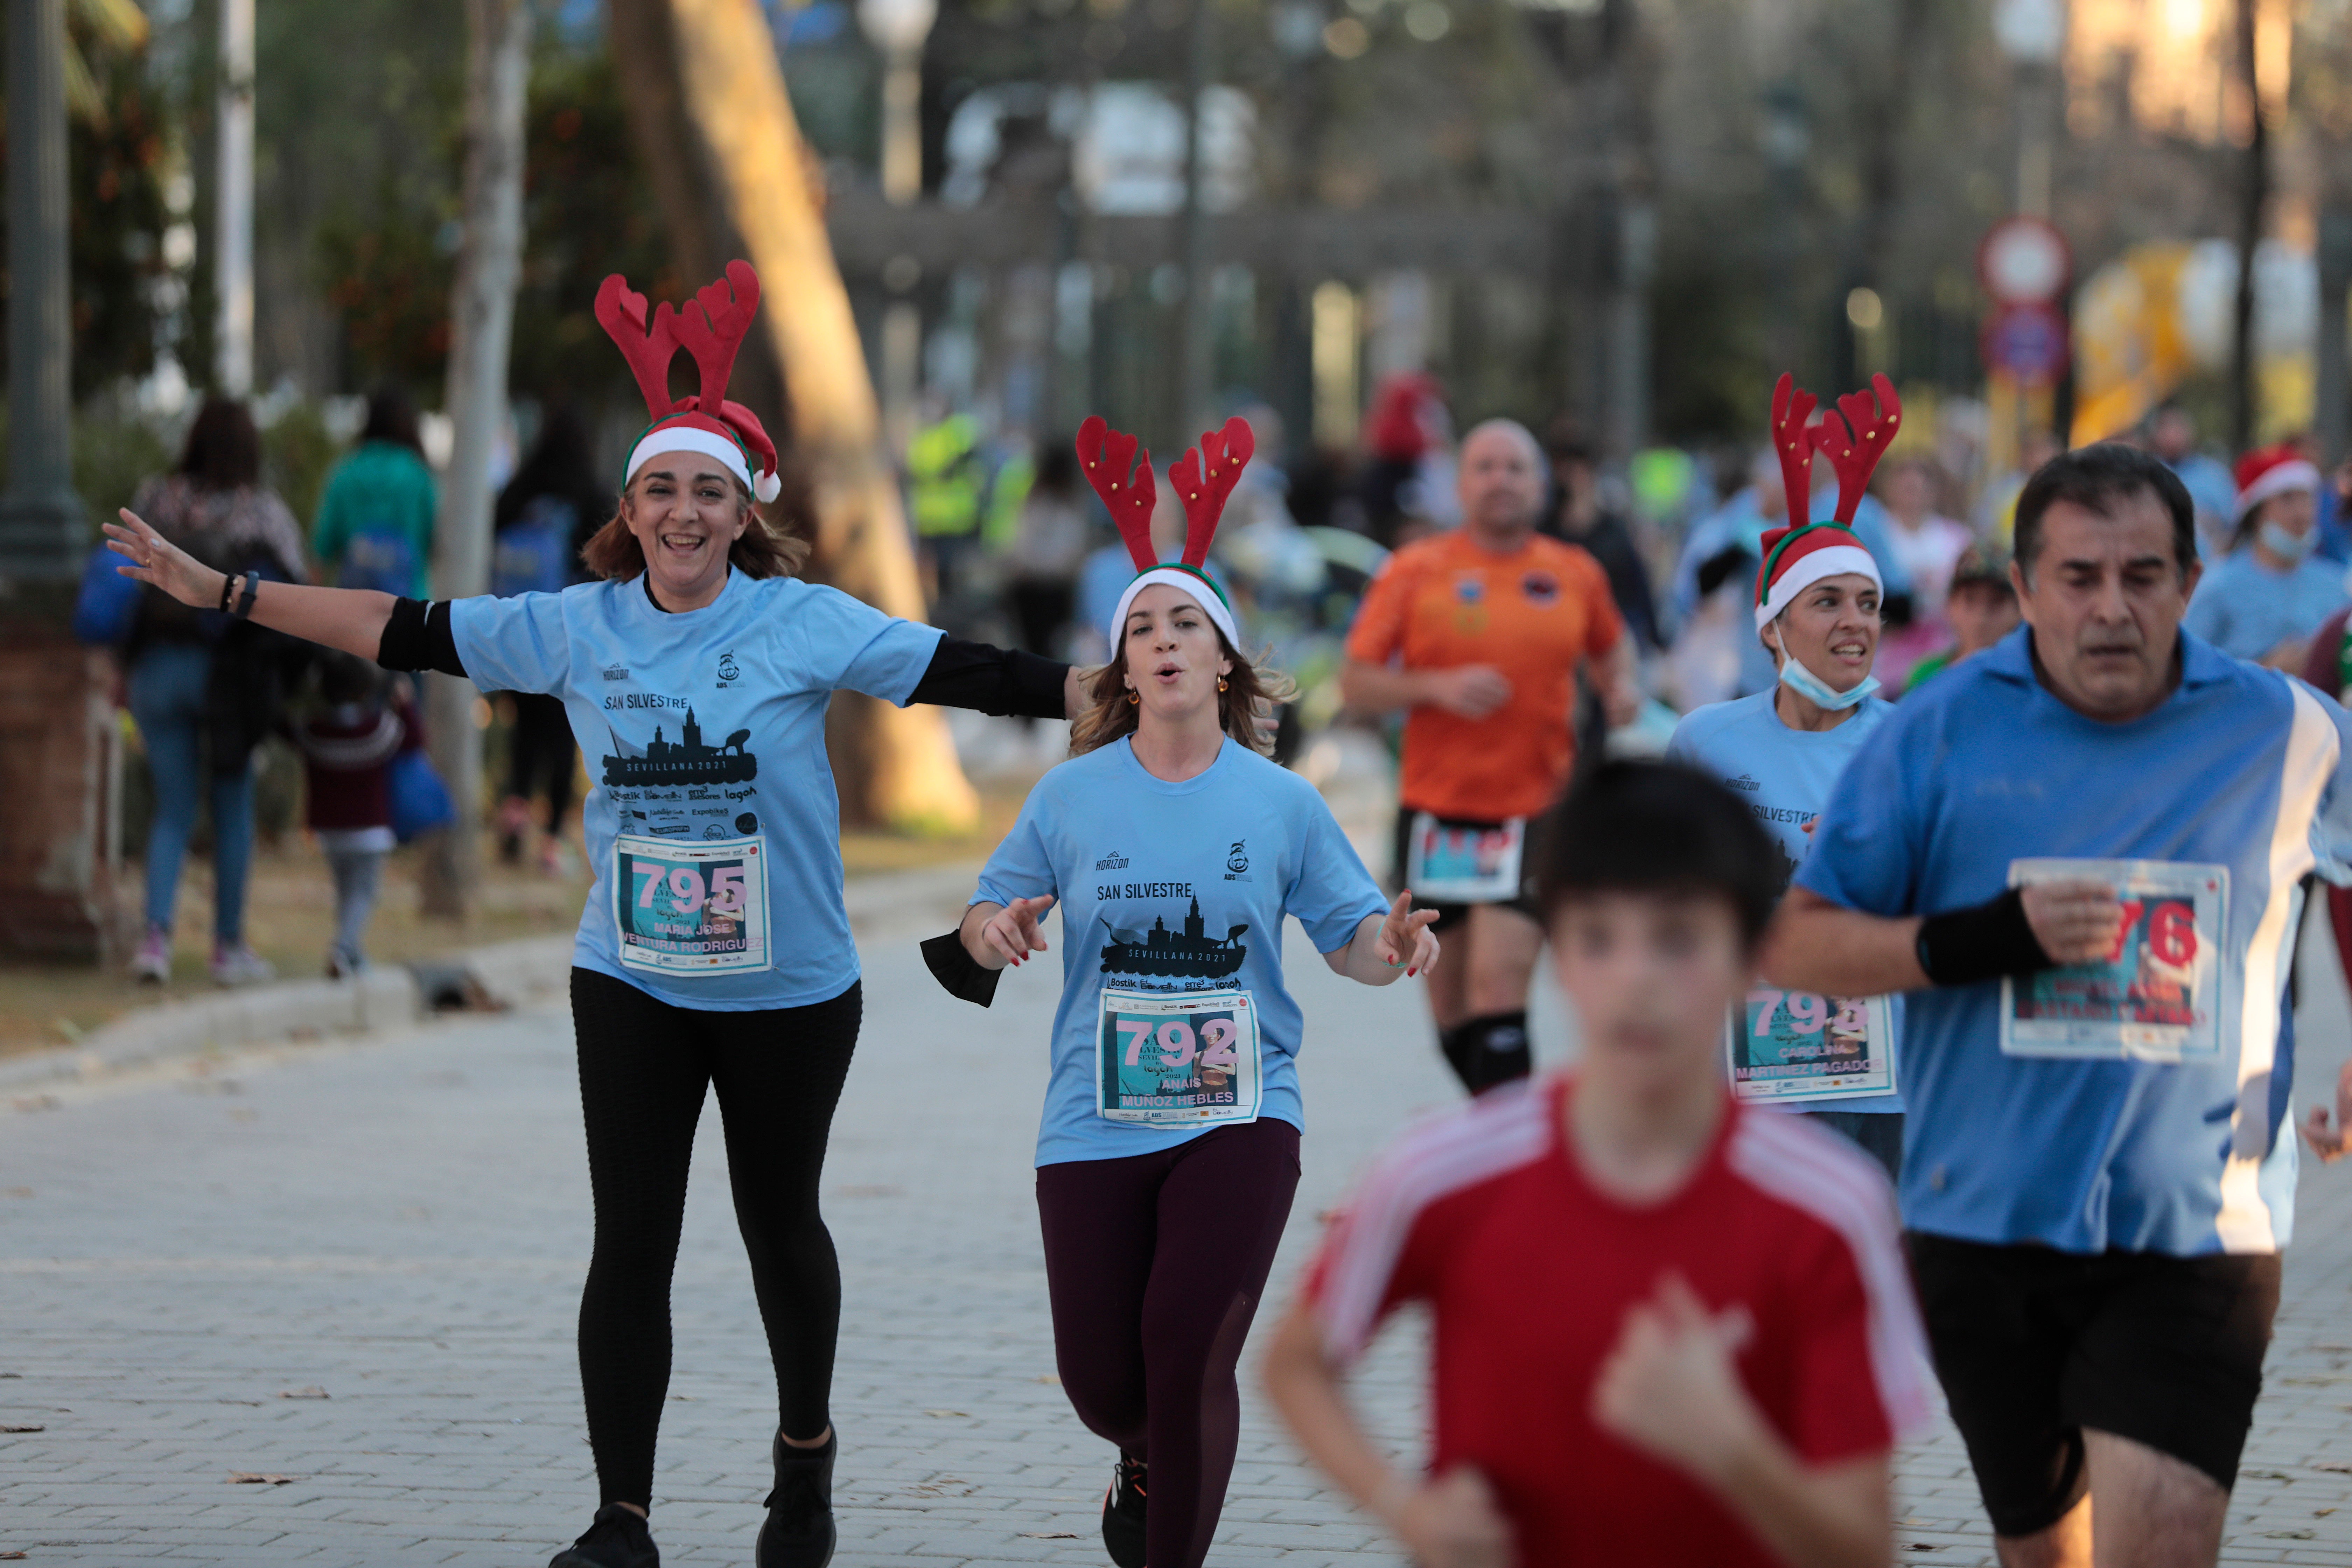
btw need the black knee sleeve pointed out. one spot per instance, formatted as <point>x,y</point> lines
<point>1493,1050</point>
<point>1454,1045</point>
<point>1487,1050</point>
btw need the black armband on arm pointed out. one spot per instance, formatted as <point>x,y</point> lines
<point>1961,947</point>
<point>992,680</point>
<point>418,637</point>
<point>960,974</point>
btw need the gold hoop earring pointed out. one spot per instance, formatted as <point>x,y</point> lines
<point>1135,697</point>
<point>1221,683</point>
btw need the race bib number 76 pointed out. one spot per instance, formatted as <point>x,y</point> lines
<point>2156,996</point>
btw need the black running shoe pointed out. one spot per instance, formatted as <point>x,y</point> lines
<point>618,1539</point>
<point>799,1532</point>
<point>1123,1514</point>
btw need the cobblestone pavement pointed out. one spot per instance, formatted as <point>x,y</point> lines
<point>356,1267</point>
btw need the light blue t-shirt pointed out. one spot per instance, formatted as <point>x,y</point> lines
<point>1785,776</point>
<point>2245,610</point>
<point>731,700</point>
<point>1140,864</point>
<point>2241,767</point>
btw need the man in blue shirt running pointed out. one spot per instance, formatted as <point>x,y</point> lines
<point>2083,850</point>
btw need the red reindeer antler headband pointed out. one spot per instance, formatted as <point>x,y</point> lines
<point>1108,458</point>
<point>1204,478</point>
<point>1856,437</point>
<point>1853,436</point>
<point>711,328</point>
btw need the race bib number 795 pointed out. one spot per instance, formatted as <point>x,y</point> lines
<point>691,908</point>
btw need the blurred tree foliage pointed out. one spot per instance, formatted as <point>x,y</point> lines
<point>385,262</point>
<point>116,150</point>
<point>297,451</point>
<point>359,107</point>
<point>586,213</point>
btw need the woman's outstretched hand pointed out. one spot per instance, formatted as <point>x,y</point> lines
<point>157,562</point>
<point>1406,933</point>
<point>1011,933</point>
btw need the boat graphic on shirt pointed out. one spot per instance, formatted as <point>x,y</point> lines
<point>685,761</point>
<point>1191,953</point>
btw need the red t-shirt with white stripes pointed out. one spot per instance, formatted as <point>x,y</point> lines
<point>1529,1270</point>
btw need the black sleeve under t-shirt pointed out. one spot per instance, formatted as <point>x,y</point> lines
<point>961,674</point>
<point>418,637</point>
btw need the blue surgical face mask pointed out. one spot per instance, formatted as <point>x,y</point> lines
<point>1815,689</point>
<point>2287,546</point>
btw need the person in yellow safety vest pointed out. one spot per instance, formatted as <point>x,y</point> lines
<point>1008,492</point>
<point>944,482</point>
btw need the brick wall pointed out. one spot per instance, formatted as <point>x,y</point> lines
<point>59,788</point>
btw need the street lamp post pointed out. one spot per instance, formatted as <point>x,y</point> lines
<point>40,517</point>
<point>898,28</point>
<point>60,752</point>
<point>2032,34</point>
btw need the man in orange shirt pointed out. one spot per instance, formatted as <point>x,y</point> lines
<point>1477,633</point>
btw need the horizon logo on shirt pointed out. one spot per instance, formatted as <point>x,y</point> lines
<point>1745,781</point>
<point>1114,861</point>
<point>616,673</point>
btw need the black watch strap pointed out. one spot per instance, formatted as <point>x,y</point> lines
<point>1984,942</point>
<point>248,587</point>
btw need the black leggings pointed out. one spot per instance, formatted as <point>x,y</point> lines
<point>540,745</point>
<point>644,1065</point>
<point>1155,1263</point>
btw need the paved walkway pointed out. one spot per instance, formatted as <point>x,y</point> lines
<point>357,1267</point>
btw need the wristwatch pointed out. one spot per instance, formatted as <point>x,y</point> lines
<point>238,594</point>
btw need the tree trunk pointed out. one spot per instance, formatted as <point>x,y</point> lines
<point>894,766</point>
<point>701,240</point>
<point>481,313</point>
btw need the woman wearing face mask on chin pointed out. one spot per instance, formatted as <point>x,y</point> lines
<point>2266,599</point>
<point>1817,612</point>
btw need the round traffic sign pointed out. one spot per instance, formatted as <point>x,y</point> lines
<point>2026,342</point>
<point>2024,262</point>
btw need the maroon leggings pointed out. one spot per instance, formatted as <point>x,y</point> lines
<point>1155,1263</point>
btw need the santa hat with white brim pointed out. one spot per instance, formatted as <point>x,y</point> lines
<point>1797,558</point>
<point>2262,475</point>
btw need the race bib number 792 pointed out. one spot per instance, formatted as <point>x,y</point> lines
<point>1186,1059</point>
